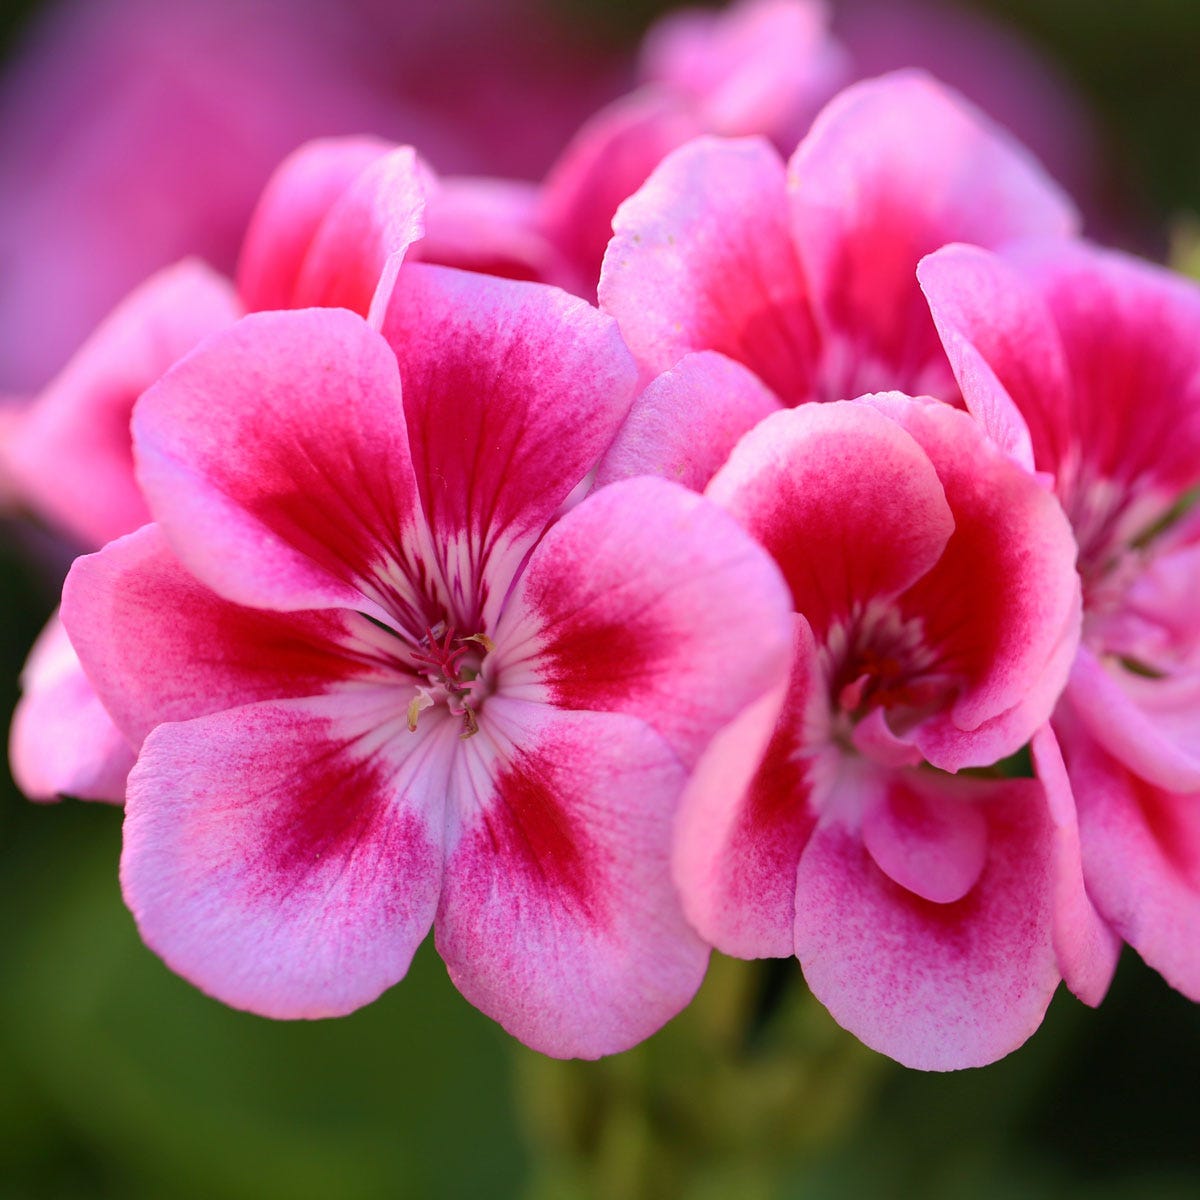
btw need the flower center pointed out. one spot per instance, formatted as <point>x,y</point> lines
<point>451,665</point>
<point>881,661</point>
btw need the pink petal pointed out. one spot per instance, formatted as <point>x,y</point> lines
<point>359,246</point>
<point>1141,857</point>
<point>277,463</point>
<point>558,917</point>
<point>1004,348</point>
<point>745,818</point>
<point>63,741</point>
<point>647,600</point>
<point>160,646</point>
<point>1001,607</point>
<point>686,422</point>
<point>491,226</point>
<point>512,392</point>
<point>936,986</point>
<point>892,169</point>
<point>1085,943</point>
<point>926,834</point>
<point>1151,726</point>
<point>759,66</point>
<point>277,861</point>
<point>702,259</point>
<point>844,499</point>
<point>69,454</point>
<point>1131,333</point>
<point>293,205</point>
<point>605,163</point>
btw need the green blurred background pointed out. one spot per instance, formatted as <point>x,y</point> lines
<point>119,1080</point>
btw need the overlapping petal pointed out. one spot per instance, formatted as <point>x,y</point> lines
<point>160,646</point>
<point>511,394</point>
<point>702,258</point>
<point>277,463</point>
<point>557,897</point>
<point>630,605</point>
<point>892,169</point>
<point>936,986</point>
<point>68,454</point>
<point>846,501</point>
<point>283,859</point>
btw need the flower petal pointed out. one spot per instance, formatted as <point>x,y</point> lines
<point>926,835</point>
<point>844,499</point>
<point>558,917</point>
<point>277,861</point>
<point>745,818</point>
<point>63,741</point>
<point>1004,348</point>
<point>69,454</point>
<point>1149,725</point>
<point>1141,856</point>
<point>512,392</point>
<point>935,986</point>
<point>892,169</point>
<point>160,646</point>
<point>702,259</point>
<point>686,422</point>
<point>1085,943</point>
<point>276,460</point>
<point>296,200</point>
<point>647,600</point>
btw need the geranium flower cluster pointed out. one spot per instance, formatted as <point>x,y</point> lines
<point>721,614</point>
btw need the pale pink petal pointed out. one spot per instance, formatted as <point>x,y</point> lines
<point>927,834</point>
<point>512,392</point>
<point>63,742</point>
<point>745,818</point>
<point>846,501</point>
<point>892,169</point>
<point>648,600</point>
<point>277,463</point>
<point>1156,625</point>
<point>1005,351</point>
<point>1085,943</point>
<point>292,207</point>
<point>759,66</point>
<point>1001,607</point>
<point>359,246</point>
<point>282,860</point>
<point>1141,857</point>
<point>605,163</point>
<point>1131,333</point>
<point>491,226</point>
<point>69,455</point>
<point>1152,726</point>
<point>936,986</point>
<point>685,423</point>
<point>702,259</point>
<point>558,917</point>
<point>160,646</point>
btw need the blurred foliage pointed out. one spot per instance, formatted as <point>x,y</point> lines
<point>118,1080</point>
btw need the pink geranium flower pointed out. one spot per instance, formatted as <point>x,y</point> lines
<point>1085,366</point>
<point>379,683</point>
<point>936,614</point>
<point>805,274</point>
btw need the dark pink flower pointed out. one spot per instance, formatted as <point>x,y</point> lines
<point>378,682</point>
<point>1084,365</point>
<point>936,614</point>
